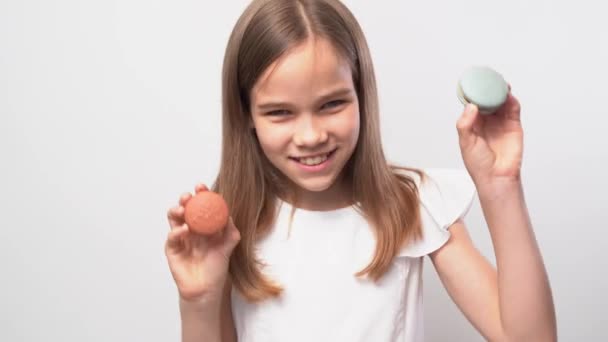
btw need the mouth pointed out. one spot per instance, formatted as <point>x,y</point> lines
<point>313,160</point>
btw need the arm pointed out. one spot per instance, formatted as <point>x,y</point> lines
<point>199,266</point>
<point>526,302</point>
<point>211,321</point>
<point>470,281</point>
<point>200,322</point>
<point>513,303</point>
<point>227,322</point>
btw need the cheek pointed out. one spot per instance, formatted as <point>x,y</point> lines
<point>356,126</point>
<point>272,139</point>
<point>349,125</point>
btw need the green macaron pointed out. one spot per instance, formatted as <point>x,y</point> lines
<point>483,87</point>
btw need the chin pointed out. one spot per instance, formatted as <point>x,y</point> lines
<point>314,185</point>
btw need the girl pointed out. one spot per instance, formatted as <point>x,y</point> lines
<point>326,240</point>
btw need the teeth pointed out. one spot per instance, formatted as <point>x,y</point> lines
<point>314,160</point>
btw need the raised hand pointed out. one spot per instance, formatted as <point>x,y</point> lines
<point>492,145</point>
<point>198,263</point>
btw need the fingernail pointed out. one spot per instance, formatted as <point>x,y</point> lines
<point>469,109</point>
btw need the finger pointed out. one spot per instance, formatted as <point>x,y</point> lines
<point>183,199</point>
<point>176,236</point>
<point>175,217</point>
<point>512,108</point>
<point>200,187</point>
<point>231,236</point>
<point>466,125</point>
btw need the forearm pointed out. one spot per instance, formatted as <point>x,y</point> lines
<point>526,304</point>
<point>200,323</point>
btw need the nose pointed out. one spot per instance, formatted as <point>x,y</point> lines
<point>310,131</point>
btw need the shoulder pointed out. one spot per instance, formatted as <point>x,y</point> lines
<point>446,195</point>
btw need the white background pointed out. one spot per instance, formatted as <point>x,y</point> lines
<point>109,110</point>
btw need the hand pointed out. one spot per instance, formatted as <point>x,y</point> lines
<point>199,264</point>
<point>492,145</point>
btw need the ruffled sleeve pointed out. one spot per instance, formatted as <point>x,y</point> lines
<point>446,195</point>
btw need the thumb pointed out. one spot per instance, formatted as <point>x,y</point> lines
<point>467,125</point>
<point>232,236</point>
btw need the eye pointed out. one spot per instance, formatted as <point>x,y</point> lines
<point>278,112</point>
<point>333,103</point>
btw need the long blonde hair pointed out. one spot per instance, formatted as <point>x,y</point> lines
<point>387,198</point>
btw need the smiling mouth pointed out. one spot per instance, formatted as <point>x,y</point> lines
<point>315,160</point>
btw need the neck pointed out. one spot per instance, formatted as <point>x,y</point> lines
<point>338,195</point>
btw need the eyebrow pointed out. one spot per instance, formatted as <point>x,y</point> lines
<point>335,93</point>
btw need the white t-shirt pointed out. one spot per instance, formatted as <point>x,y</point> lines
<point>316,263</point>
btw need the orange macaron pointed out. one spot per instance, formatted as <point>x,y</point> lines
<point>206,213</point>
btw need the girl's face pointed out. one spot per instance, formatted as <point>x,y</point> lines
<point>305,112</point>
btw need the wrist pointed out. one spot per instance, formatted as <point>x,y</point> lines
<point>207,305</point>
<point>203,301</point>
<point>499,189</point>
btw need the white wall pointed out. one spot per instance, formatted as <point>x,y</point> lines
<point>111,109</point>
